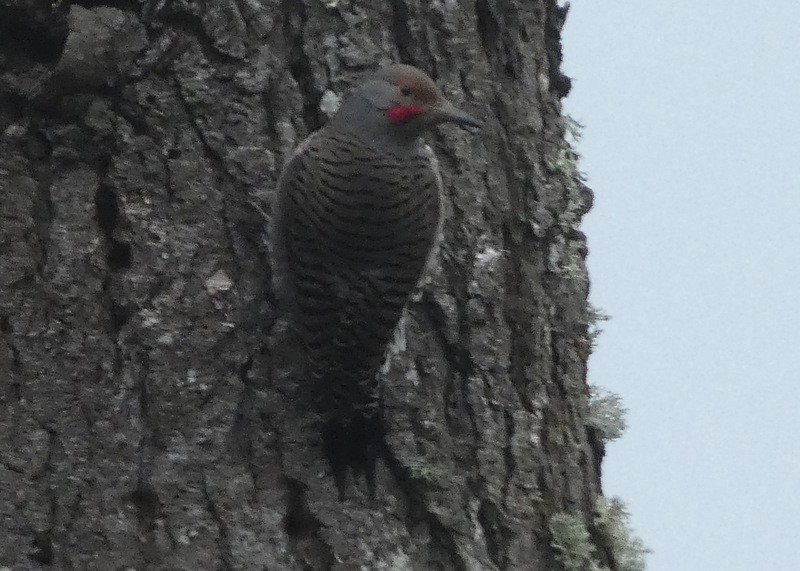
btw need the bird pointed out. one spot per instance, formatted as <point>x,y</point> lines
<point>355,222</point>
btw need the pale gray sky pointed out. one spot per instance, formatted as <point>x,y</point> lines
<point>692,146</point>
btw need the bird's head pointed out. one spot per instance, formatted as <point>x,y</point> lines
<point>398,102</point>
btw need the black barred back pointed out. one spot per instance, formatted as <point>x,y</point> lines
<point>357,227</point>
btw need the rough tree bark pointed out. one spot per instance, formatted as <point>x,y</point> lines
<point>144,421</point>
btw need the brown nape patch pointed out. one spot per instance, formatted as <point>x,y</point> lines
<point>422,87</point>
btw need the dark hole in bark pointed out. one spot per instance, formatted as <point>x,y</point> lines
<point>107,210</point>
<point>119,316</point>
<point>119,255</point>
<point>146,501</point>
<point>42,548</point>
<point>34,30</point>
<point>488,28</point>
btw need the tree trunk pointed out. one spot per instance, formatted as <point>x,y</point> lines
<point>147,410</point>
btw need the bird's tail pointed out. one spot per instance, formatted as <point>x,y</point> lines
<point>353,445</point>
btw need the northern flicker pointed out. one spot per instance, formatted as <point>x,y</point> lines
<point>355,221</point>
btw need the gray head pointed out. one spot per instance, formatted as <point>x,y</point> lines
<point>395,105</point>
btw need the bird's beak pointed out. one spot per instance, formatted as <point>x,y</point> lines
<point>446,112</point>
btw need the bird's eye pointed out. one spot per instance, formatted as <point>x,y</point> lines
<point>405,90</point>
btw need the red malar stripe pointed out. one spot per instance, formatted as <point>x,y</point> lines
<point>401,113</point>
